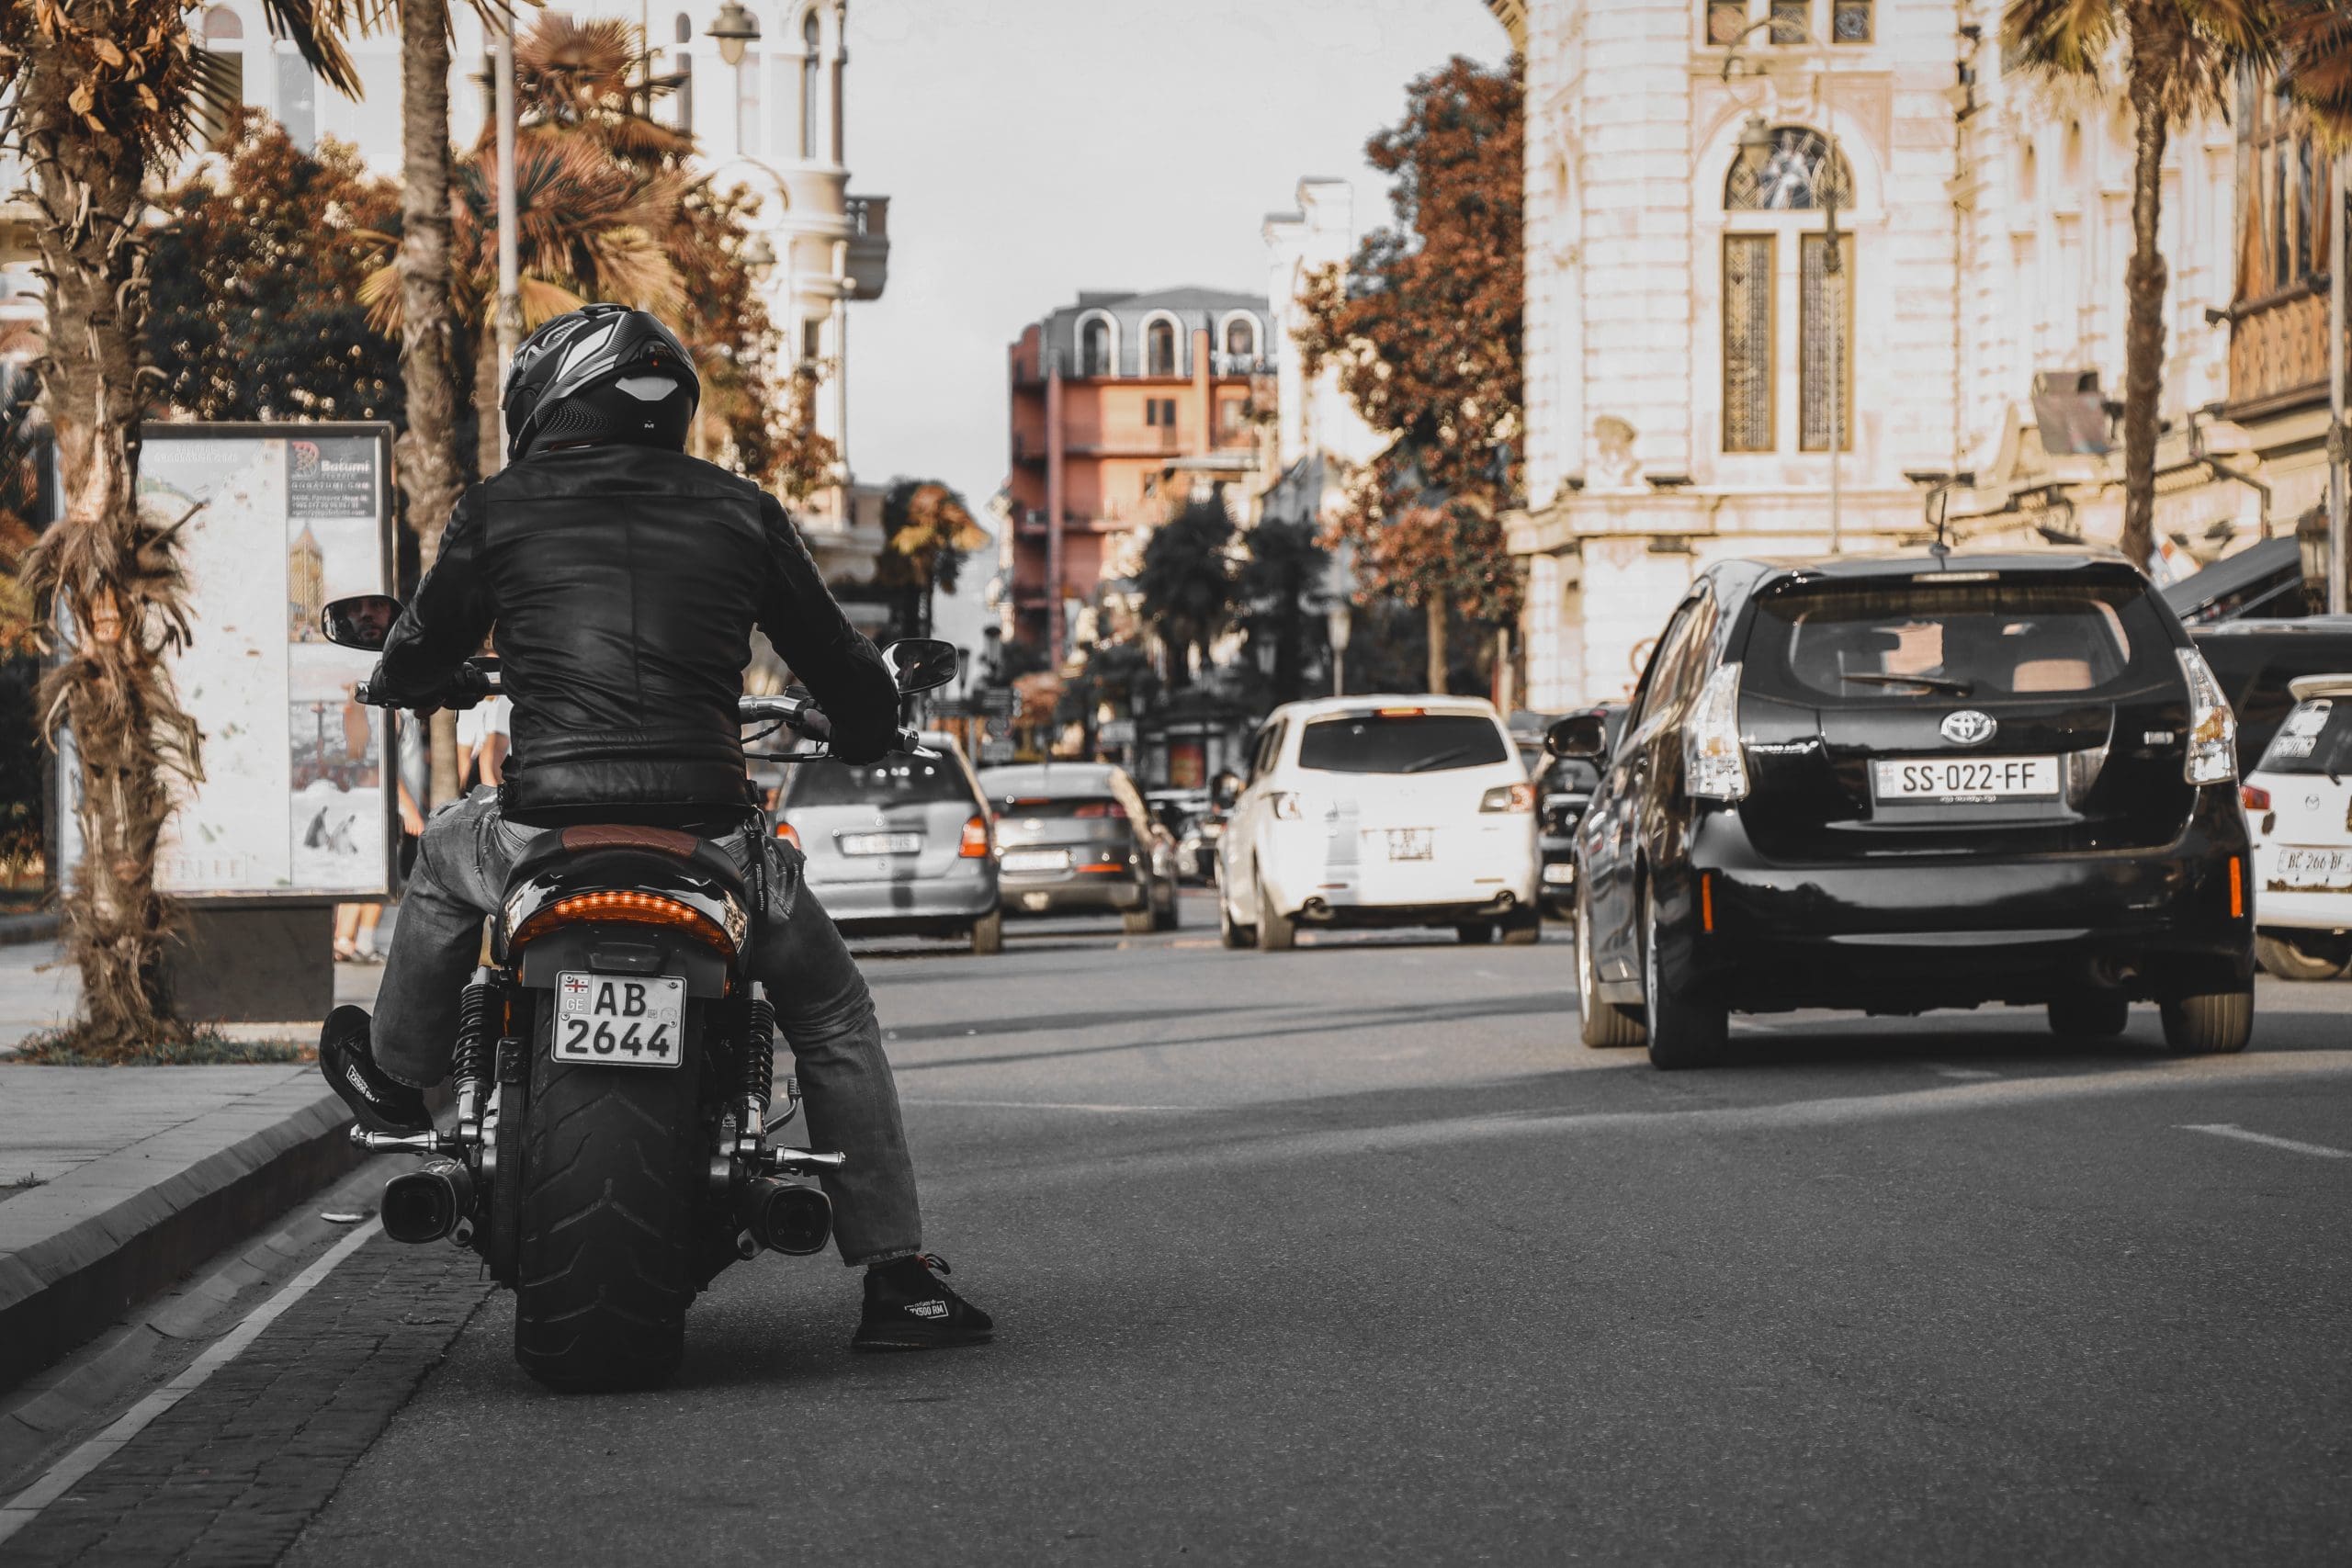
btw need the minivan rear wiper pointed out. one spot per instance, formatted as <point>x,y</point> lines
<point>1437,759</point>
<point>1931,683</point>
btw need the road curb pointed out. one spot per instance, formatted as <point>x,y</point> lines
<point>98,1244</point>
<point>21,930</point>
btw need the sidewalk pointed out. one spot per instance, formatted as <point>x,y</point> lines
<point>114,1181</point>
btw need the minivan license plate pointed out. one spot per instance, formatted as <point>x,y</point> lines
<point>1965,778</point>
<point>619,1020</point>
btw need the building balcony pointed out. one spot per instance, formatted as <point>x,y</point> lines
<point>2279,352</point>
<point>870,245</point>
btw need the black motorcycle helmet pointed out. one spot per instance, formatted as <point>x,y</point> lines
<point>603,373</point>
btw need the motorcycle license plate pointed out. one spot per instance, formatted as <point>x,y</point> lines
<point>619,1020</point>
<point>1968,779</point>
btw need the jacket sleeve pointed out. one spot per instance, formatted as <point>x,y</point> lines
<point>445,623</point>
<point>840,668</point>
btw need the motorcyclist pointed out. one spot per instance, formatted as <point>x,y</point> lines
<point>623,579</point>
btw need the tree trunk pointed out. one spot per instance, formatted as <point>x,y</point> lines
<point>2144,285</point>
<point>114,577</point>
<point>490,446</point>
<point>1437,666</point>
<point>427,454</point>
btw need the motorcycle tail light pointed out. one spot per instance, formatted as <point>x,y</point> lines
<point>1508,797</point>
<point>975,845</point>
<point>1713,767</point>
<point>2254,797</point>
<point>788,833</point>
<point>2213,727</point>
<point>631,909</point>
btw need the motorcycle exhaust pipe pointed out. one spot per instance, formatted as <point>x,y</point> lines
<point>427,1204</point>
<point>784,1217</point>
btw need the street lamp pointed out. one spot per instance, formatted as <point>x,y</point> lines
<point>734,29</point>
<point>1340,622</point>
<point>759,256</point>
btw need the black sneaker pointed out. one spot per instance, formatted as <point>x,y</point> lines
<point>909,1308</point>
<point>382,1103</point>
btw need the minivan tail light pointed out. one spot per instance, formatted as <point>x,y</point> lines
<point>1712,765</point>
<point>975,845</point>
<point>1508,797</point>
<point>2212,729</point>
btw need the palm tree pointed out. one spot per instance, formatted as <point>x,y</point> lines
<point>2177,58</point>
<point>102,96</point>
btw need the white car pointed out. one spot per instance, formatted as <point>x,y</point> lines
<point>2299,803</point>
<point>1380,811</point>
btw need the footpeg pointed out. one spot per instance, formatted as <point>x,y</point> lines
<point>433,1142</point>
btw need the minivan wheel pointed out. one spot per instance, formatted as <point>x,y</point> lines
<point>2209,1023</point>
<point>1231,932</point>
<point>2095,1012</point>
<point>1523,930</point>
<point>1169,919</point>
<point>1602,1025</point>
<point>1276,932</point>
<point>988,933</point>
<point>1474,932</point>
<point>1686,1029</point>
<point>2306,955</point>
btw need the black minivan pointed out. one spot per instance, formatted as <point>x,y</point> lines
<point>1908,782</point>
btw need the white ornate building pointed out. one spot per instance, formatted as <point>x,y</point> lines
<point>1682,321</point>
<point>771,120</point>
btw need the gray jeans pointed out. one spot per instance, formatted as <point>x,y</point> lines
<point>822,1007</point>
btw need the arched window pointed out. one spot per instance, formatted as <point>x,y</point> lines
<point>810,67</point>
<point>1796,174</point>
<point>1160,348</point>
<point>683,30</point>
<point>221,88</point>
<point>222,26</point>
<point>1094,348</point>
<point>1241,338</point>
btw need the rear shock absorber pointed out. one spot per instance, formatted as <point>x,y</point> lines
<point>759,1074</point>
<point>470,1062</point>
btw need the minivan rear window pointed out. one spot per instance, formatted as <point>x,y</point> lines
<point>2316,739</point>
<point>1974,639</point>
<point>1401,743</point>
<point>902,781</point>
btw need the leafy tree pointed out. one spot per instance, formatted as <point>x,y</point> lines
<point>926,532</point>
<point>1278,584</point>
<point>1424,325</point>
<point>1186,582</point>
<point>102,93</point>
<point>2178,59</point>
<point>257,277</point>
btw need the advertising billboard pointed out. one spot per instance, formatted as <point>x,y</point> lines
<point>294,802</point>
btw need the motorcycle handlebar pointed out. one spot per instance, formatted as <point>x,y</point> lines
<point>476,679</point>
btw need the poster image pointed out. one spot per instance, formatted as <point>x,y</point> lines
<point>281,520</point>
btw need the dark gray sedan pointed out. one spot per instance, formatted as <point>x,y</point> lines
<point>1075,837</point>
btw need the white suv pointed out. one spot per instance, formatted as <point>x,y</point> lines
<point>1380,811</point>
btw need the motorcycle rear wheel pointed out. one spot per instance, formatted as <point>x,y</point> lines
<point>611,1159</point>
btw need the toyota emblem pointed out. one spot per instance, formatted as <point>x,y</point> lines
<point>1968,727</point>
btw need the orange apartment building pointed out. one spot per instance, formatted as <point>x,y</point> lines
<point>1109,397</point>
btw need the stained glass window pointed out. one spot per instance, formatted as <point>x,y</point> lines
<point>1747,343</point>
<point>1849,21</point>
<point>1798,171</point>
<point>1826,345</point>
<point>1725,19</point>
<point>1789,19</point>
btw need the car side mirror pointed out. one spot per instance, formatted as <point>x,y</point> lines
<point>363,621</point>
<point>920,663</point>
<point>1225,791</point>
<point>1581,737</point>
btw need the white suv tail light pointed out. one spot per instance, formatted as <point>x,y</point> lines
<point>2212,729</point>
<point>1712,765</point>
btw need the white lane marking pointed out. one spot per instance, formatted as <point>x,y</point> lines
<point>60,1477</point>
<point>1943,1070</point>
<point>1035,1105</point>
<point>2231,1130</point>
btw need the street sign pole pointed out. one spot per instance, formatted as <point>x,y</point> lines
<point>2336,435</point>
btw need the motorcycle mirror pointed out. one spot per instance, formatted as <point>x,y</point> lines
<point>363,621</point>
<point>1581,737</point>
<point>920,663</point>
<point>1225,791</point>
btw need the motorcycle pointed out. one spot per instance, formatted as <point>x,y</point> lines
<point>614,1072</point>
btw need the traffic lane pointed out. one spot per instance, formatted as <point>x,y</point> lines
<point>2058,1328</point>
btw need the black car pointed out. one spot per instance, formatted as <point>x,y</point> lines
<point>2255,661</point>
<point>1901,782</point>
<point>1563,789</point>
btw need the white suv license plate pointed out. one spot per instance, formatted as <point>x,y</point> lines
<point>619,1020</point>
<point>1408,843</point>
<point>1965,778</point>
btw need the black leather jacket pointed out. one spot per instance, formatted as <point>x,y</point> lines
<point>624,582</point>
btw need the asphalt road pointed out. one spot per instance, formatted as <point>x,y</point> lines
<point>1354,1254</point>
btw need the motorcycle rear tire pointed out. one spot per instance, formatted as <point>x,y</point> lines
<point>611,1160</point>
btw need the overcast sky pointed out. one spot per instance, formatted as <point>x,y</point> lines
<point>1034,148</point>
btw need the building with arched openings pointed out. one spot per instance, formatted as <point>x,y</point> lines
<point>771,118</point>
<point>1695,364</point>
